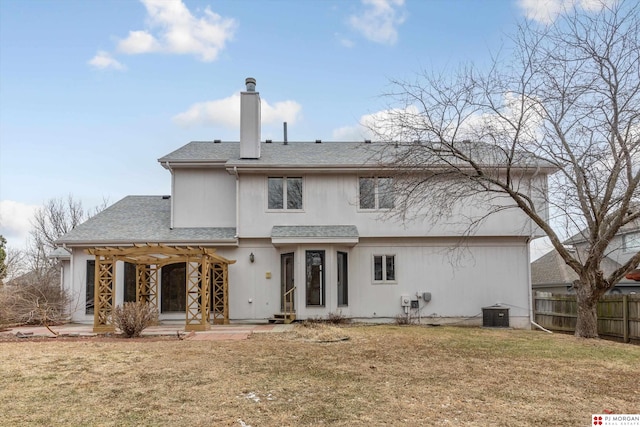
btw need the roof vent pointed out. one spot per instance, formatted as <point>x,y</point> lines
<point>318,141</point>
<point>217,141</point>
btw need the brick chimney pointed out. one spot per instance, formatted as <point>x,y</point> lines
<point>250,121</point>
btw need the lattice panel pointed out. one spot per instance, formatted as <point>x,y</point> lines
<point>196,319</point>
<point>147,284</point>
<point>220,309</point>
<point>206,288</point>
<point>104,295</point>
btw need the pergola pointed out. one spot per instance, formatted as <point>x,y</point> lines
<point>205,272</point>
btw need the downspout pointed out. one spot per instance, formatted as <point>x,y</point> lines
<point>235,172</point>
<point>531,311</point>
<point>173,180</point>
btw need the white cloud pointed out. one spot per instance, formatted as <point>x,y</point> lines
<point>138,42</point>
<point>15,222</point>
<point>376,126</point>
<point>173,29</point>
<point>380,20</point>
<point>226,112</point>
<point>546,11</point>
<point>104,60</point>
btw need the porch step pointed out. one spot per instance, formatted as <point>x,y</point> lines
<point>283,318</point>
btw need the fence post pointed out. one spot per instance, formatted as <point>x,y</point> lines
<point>625,318</point>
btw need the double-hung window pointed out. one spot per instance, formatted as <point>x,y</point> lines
<point>384,268</point>
<point>284,193</point>
<point>376,193</point>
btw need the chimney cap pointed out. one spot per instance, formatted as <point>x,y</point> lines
<point>251,84</point>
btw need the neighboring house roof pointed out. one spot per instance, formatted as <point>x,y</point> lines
<point>311,155</point>
<point>141,219</point>
<point>550,269</point>
<point>60,253</point>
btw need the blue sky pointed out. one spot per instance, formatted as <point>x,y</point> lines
<point>93,92</point>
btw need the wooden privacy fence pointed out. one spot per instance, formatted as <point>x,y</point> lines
<point>618,315</point>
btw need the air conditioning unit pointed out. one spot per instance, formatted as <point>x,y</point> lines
<point>495,316</point>
<point>405,301</point>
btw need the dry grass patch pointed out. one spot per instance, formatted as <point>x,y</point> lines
<point>381,375</point>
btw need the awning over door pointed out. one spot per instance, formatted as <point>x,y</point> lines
<point>314,234</point>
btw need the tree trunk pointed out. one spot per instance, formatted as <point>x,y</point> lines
<point>587,323</point>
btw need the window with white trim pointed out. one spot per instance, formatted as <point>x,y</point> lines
<point>631,242</point>
<point>384,268</point>
<point>284,193</point>
<point>376,193</point>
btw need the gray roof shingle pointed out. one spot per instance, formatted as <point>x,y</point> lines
<point>141,219</point>
<point>320,231</point>
<point>322,155</point>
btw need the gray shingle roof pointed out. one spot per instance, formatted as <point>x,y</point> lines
<point>320,231</point>
<point>550,269</point>
<point>277,154</point>
<point>323,155</point>
<point>141,219</point>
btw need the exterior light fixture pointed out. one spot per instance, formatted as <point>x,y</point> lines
<point>252,257</point>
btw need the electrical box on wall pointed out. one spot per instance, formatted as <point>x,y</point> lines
<point>426,296</point>
<point>405,301</point>
<point>415,303</point>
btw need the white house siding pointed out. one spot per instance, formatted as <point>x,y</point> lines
<point>461,280</point>
<point>203,198</point>
<point>333,199</point>
<point>483,272</point>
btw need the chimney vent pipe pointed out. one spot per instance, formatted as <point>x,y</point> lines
<point>285,133</point>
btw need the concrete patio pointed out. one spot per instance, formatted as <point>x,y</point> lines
<point>237,331</point>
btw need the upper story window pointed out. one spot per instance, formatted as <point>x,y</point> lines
<point>631,242</point>
<point>376,193</point>
<point>284,193</point>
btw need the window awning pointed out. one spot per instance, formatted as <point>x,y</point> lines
<point>314,234</point>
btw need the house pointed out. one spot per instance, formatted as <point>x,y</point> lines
<point>256,229</point>
<point>550,273</point>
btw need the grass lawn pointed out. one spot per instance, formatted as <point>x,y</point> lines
<point>380,375</point>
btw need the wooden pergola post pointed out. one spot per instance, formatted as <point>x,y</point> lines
<point>149,259</point>
<point>104,294</point>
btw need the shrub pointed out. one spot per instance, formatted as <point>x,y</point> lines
<point>134,317</point>
<point>404,319</point>
<point>337,318</point>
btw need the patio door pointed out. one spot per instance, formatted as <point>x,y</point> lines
<point>287,283</point>
<point>315,278</point>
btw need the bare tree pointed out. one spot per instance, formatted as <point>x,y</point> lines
<point>3,258</point>
<point>567,99</point>
<point>34,294</point>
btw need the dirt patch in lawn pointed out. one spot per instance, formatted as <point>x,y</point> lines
<point>337,375</point>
